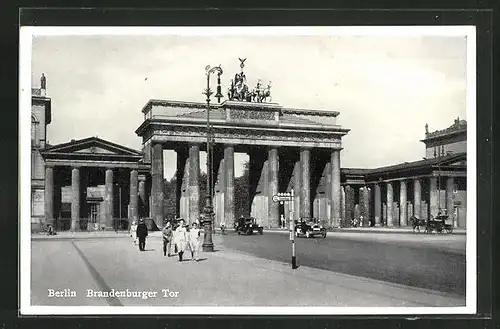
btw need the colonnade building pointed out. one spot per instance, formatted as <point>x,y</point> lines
<point>88,184</point>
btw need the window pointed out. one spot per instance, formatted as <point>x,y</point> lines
<point>35,132</point>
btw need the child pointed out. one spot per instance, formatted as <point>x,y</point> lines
<point>133,230</point>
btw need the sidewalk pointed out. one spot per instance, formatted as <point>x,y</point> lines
<point>400,230</point>
<point>222,278</point>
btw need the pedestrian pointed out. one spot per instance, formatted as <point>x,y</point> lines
<point>282,221</point>
<point>222,226</point>
<point>133,231</point>
<point>180,239</point>
<point>167,239</point>
<point>142,233</point>
<point>194,238</point>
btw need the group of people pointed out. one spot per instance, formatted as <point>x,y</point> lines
<point>180,238</point>
<point>177,238</point>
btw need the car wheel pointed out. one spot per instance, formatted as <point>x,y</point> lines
<point>261,232</point>
<point>324,234</point>
<point>239,233</point>
<point>308,235</point>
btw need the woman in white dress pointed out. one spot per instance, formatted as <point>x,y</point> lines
<point>181,239</point>
<point>194,235</point>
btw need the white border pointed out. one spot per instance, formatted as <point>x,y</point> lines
<point>26,35</point>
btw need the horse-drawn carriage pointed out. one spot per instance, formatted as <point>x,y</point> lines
<point>439,224</point>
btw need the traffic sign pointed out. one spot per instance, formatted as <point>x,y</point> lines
<point>281,197</point>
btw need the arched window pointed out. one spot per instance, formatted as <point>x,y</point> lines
<point>35,131</point>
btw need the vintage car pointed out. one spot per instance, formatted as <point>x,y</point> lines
<point>309,227</point>
<point>248,225</point>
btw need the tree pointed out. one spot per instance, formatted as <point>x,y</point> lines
<point>241,197</point>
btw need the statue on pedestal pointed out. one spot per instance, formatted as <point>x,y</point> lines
<point>43,82</point>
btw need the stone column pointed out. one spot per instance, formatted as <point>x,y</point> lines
<point>390,205</point>
<point>157,184</point>
<point>273,208</point>
<point>134,199</point>
<point>342,207</point>
<point>305,173</point>
<point>228,172</point>
<point>142,196</point>
<point>378,206</point>
<point>181,164</point>
<point>328,193</point>
<point>49,194</point>
<point>433,196</point>
<point>194,187</point>
<point>108,197</point>
<point>403,204</point>
<point>417,198</point>
<point>335,188</point>
<point>366,203</point>
<point>75,198</point>
<point>450,184</point>
<point>297,191</point>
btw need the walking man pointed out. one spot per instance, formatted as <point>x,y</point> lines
<point>180,239</point>
<point>167,239</point>
<point>194,238</point>
<point>142,233</point>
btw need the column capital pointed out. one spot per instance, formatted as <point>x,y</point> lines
<point>142,177</point>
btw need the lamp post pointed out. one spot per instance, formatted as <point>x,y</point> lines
<point>208,210</point>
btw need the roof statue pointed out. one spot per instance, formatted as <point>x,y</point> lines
<point>427,129</point>
<point>43,82</point>
<point>239,90</point>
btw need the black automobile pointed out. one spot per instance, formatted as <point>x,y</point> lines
<point>248,226</point>
<point>309,227</point>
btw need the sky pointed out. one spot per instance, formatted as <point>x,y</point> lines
<point>386,88</point>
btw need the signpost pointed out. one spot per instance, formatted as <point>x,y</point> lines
<point>282,198</point>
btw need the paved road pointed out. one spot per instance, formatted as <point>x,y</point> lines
<point>102,264</point>
<point>430,262</point>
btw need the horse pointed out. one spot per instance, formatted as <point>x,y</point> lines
<point>417,223</point>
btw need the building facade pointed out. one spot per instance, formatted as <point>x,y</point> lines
<point>391,195</point>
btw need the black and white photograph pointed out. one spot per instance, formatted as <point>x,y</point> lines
<point>248,170</point>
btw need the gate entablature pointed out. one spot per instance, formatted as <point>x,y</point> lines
<point>240,123</point>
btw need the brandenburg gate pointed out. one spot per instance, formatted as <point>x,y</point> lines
<point>287,148</point>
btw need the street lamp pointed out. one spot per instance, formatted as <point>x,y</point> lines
<point>208,210</point>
